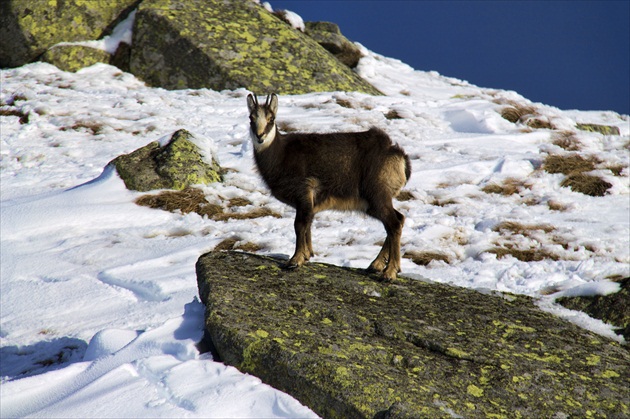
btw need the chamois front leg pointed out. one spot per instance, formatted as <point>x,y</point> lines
<point>303,246</point>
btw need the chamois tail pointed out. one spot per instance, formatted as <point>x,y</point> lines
<point>396,170</point>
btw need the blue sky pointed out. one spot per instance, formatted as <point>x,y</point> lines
<point>569,54</point>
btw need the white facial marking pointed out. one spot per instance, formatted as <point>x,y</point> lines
<point>266,139</point>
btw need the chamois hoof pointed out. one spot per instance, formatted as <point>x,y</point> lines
<point>372,270</point>
<point>387,279</point>
<point>389,274</point>
<point>376,267</point>
<point>290,266</point>
<point>294,263</point>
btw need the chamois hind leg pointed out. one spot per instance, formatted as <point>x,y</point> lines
<point>378,264</point>
<point>303,247</point>
<point>388,259</point>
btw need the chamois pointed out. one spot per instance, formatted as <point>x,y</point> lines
<point>351,171</point>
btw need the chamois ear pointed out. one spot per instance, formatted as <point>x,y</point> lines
<point>252,103</point>
<point>273,104</point>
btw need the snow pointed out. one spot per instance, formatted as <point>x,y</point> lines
<point>121,33</point>
<point>98,304</point>
<point>294,20</point>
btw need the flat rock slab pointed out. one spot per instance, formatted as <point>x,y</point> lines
<point>348,346</point>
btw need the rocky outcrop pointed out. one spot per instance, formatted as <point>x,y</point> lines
<point>176,165</point>
<point>348,346</point>
<point>328,35</point>
<point>178,44</point>
<point>29,27</point>
<point>228,44</point>
<point>613,309</point>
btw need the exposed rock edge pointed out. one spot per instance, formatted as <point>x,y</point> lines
<point>348,346</point>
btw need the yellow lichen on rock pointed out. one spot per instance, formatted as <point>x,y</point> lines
<point>231,44</point>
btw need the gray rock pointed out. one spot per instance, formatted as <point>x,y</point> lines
<point>348,346</point>
<point>229,44</point>
<point>29,27</point>
<point>175,166</point>
<point>328,35</point>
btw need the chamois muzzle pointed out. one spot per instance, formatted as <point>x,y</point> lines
<point>262,118</point>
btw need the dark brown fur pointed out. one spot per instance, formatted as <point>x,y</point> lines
<point>359,171</point>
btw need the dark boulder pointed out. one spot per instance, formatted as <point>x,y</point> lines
<point>176,165</point>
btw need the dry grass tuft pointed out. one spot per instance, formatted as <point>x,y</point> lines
<point>557,206</point>
<point>93,127</point>
<point>424,258</point>
<point>522,229</point>
<point>528,115</point>
<point>344,103</point>
<point>393,114</point>
<point>14,112</point>
<point>616,169</point>
<point>524,255</point>
<point>533,252</point>
<point>187,200</point>
<point>239,202</point>
<point>405,196</point>
<point>231,244</point>
<point>538,123</point>
<point>509,186</point>
<point>569,164</point>
<point>438,202</point>
<point>586,184</point>
<point>194,200</point>
<point>256,213</point>
<point>567,140</point>
<point>574,167</point>
<point>516,113</point>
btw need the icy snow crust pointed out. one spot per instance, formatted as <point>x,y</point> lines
<point>82,263</point>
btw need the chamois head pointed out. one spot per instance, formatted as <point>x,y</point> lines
<point>262,120</point>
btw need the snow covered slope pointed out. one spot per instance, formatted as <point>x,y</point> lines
<point>81,263</point>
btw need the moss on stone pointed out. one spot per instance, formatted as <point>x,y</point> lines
<point>602,129</point>
<point>75,57</point>
<point>231,44</point>
<point>177,165</point>
<point>348,346</point>
<point>29,27</point>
